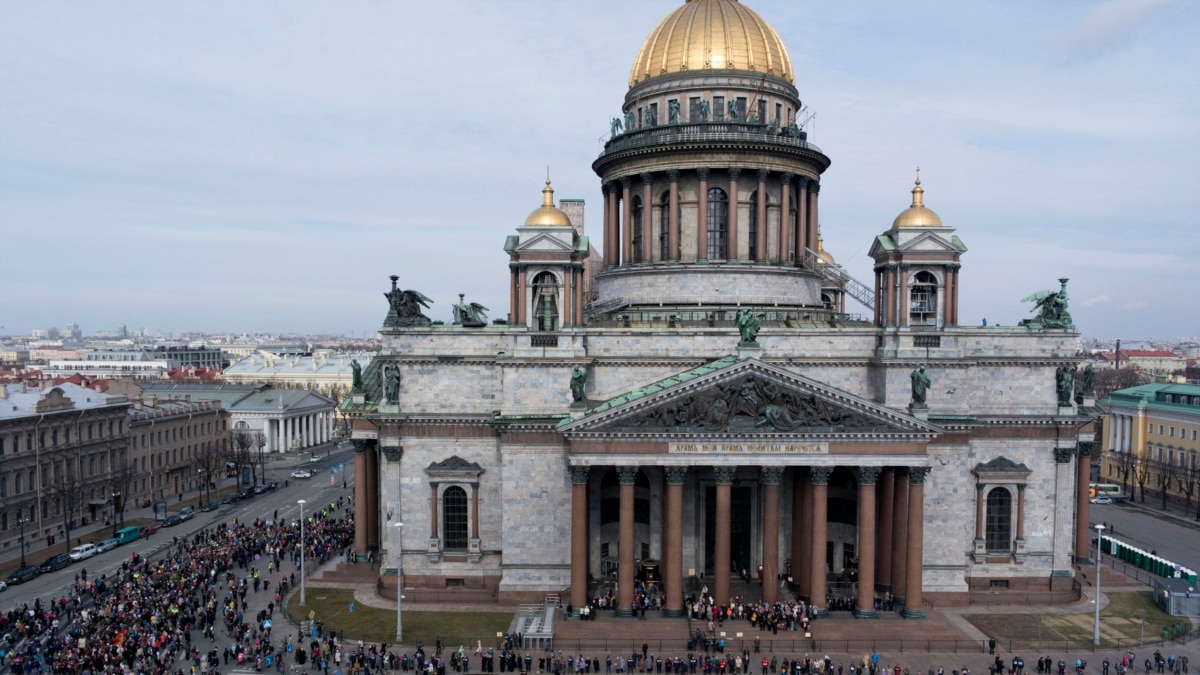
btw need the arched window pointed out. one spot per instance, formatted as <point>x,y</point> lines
<point>718,224</point>
<point>545,301</point>
<point>454,519</point>
<point>636,234</point>
<point>998,521</point>
<point>923,300</point>
<point>752,229</point>
<point>664,227</point>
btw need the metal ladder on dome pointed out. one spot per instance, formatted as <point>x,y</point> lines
<point>838,277</point>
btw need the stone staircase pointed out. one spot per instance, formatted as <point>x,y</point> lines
<point>1109,578</point>
<point>346,573</point>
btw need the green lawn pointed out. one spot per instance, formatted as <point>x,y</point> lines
<point>370,624</point>
<point>1120,620</point>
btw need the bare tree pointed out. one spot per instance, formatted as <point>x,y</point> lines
<point>1190,482</point>
<point>1125,464</point>
<point>242,443</point>
<point>1167,474</point>
<point>123,478</point>
<point>1109,380</point>
<point>260,441</point>
<point>1141,471</point>
<point>67,491</point>
<point>207,460</point>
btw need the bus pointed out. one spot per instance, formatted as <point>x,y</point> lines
<point>1110,490</point>
<point>127,534</point>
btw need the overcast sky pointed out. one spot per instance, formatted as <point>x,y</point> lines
<point>264,166</point>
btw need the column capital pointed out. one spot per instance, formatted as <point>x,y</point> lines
<point>393,453</point>
<point>820,474</point>
<point>647,177</point>
<point>360,445</point>
<point>772,475</point>
<point>916,474</point>
<point>724,474</point>
<point>579,474</point>
<point>803,181</point>
<point>786,178</point>
<point>675,474</point>
<point>672,175</point>
<point>867,475</point>
<point>1063,455</point>
<point>627,475</point>
<point>1085,448</point>
<point>607,188</point>
<point>702,173</point>
<point>626,181</point>
<point>814,187</point>
<point>734,173</point>
<point>762,174</point>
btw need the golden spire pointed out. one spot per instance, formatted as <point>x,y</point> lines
<point>548,213</point>
<point>547,194</point>
<point>918,191</point>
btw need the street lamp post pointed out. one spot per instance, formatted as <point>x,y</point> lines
<point>21,522</point>
<point>301,503</point>
<point>1099,542</point>
<point>399,584</point>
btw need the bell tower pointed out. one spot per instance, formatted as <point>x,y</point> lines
<point>916,269</point>
<point>546,262</point>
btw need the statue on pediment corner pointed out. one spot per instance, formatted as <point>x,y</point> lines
<point>404,307</point>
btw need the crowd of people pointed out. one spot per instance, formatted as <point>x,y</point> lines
<point>161,614</point>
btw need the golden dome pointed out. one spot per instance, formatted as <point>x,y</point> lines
<point>711,35</point>
<point>917,215</point>
<point>823,256</point>
<point>548,213</point>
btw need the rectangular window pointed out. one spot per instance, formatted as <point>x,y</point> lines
<point>652,115</point>
<point>1160,430</point>
<point>741,108</point>
<point>718,109</point>
<point>639,118</point>
<point>779,113</point>
<point>1171,432</point>
<point>1193,434</point>
<point>762,111</point>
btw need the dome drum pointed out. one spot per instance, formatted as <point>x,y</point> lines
<point>658,286</point>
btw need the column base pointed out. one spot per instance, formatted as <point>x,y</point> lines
<point>673,613</point>
<point>898,601</point>
<point>624,613</point>
<point>1084,560</point>
<point>913,613</point>
<point>866,614</point>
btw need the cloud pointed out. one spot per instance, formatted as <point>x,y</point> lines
<point>1092,302</point>
<point>1105,28</point>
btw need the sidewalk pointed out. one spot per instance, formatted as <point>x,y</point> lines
<point>37,549</point>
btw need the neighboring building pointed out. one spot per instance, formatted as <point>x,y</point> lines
<point>110,364</point>
<point>658,425</point>
<point>188,357</point>
<point>324,372</point>
<point>60,448</point>
<point>14,355</point>
<point>175,446</point>
<point>1152,431</point>
<point>240,350</point>
<point>1156,361</point>
<point>290,419</point>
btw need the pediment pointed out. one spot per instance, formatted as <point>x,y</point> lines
<point>454,466</point>
<point>930,242</point>
<point>1000,466</point>
<point>545,241</point>
<point>744,397</point>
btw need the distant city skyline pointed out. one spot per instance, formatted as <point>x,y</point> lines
<point>229,167</point>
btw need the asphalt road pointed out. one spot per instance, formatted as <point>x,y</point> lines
<point>316,491</point>
<point>1145,529</point>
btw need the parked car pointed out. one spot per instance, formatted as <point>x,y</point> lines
<point>23,574</point>
<point>55,563</point>
<point>272,484</point>
<point>3,585</point>
<point>186,513</point>
<point>128,534</point>
<point>107,545</point>
<point>301,473</point>
<point>313,458</point>
<point>1102,500</point>
<point>211,506</point>
<point>147,531</point>
<point>82,552</point>
<point>230,499</point>
<point>172,521</point>
<point>246,493</point>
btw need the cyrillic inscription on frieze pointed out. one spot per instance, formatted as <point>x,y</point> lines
<point>750,448</point>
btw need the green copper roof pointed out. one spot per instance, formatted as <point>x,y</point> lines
<point>677,378</point>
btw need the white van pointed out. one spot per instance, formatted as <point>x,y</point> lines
<point>82,552</point>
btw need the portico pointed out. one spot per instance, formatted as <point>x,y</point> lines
<point>722,479</point>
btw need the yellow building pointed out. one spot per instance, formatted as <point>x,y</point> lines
<point>1151,437</point>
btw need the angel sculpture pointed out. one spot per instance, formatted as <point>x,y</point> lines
<point>1051,307</point>
<point>404,307</point>
<point>469,314</point>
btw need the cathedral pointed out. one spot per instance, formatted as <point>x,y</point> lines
<point>698,404</point>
